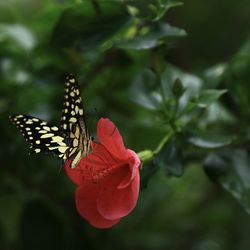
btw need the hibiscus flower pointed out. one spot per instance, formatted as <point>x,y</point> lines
<point>107,179</point>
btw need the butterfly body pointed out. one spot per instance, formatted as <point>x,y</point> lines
<point>72,140</point>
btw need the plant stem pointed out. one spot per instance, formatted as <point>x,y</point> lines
<point>163,142</point>
<point>148,155</point>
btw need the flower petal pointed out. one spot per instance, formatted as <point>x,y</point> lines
<point>134,162</point>
<point>86,195</point>
<point>74,174</point>
<point>114,202</point>
<point>110,137</point>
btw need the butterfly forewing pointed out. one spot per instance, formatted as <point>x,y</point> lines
<point>73,112</point>
<point>74,123</point>
<point>42,136</point>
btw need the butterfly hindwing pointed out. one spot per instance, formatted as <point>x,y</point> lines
<point>42,136</point>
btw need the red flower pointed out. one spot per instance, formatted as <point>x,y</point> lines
<point>107,179</point>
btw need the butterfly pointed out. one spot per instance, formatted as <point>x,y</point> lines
<point>72,140</point>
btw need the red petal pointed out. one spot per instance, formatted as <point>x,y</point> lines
<point>74,174</point>
<point>134,162</point>
<point>114,202</point>
<point>86,196</point>
<point>110,137</point>
<point>96,162</point>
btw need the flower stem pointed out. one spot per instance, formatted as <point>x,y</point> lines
<point>148,155</point>
<point>163,142</point>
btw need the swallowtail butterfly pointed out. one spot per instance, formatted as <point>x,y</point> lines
<point>72,140</point>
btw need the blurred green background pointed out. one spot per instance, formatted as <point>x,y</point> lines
<point>42,41</point>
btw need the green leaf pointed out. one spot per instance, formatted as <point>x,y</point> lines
<point>152,9</point>
<point>146,174</point>
<point>213,75</point>
<point>209,96</point>
<point>236,79</point>
<point>218,113</point>
<point>210,140</point>
<point>149,93</point>
<point>142,8</point>
<point>232,169</point>
<point>158,33</point>
<point>144,90</point>
<point>170,159</point>
<point>84,26</point>
<point>164,6</point>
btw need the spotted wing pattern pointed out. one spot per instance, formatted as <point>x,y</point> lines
<point>72,106</point>
<point>74,123</point>
<point>42,136</point>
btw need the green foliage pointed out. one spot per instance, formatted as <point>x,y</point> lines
<point>151,36</point>
<point>170,159</point>
<point>209,140</point>
<point>98,23</point>
<point>207,97</point>
<point>152,9</point>
<point>231,168</point>
<point>180,111</point>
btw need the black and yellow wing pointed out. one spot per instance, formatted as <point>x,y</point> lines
<point>72,141</point>
<point>42,136</point>
<point>74,123</point>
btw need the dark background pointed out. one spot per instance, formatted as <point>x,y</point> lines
<point>37,199</point>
